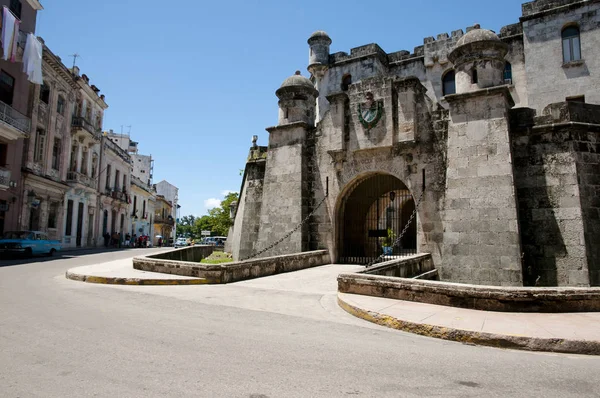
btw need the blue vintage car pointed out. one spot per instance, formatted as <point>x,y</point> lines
<point>27,243</point>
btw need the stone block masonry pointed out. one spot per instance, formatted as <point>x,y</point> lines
<point>481,240</point>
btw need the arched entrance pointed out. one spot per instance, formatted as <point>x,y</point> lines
<point>372,214</point>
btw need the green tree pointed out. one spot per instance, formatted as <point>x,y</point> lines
<point>221,221</point>
<point>217,221</point>
<point>185,227</point>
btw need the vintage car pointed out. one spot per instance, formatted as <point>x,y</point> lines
<point>27,243</point>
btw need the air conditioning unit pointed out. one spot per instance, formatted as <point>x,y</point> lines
<point>507,81</point>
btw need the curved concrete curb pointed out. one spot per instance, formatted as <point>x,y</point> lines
<point>107,280</point>
<point>476,338</point>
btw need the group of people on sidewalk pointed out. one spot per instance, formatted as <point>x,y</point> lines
<point>115,240</point>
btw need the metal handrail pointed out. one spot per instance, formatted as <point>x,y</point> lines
<point>13,117</point>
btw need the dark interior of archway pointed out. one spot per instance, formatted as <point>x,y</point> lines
<point>376,208</point>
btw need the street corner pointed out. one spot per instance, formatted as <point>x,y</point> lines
<point>122,273</point>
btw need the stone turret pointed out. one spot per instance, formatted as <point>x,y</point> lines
<point>479,60</point>
<point>318,60</point>
<point>297,98</point>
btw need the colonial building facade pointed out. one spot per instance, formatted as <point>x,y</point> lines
<point>15,117</point>
<point>45,166</point>
<point>479,148</point>
<point>114,188</point>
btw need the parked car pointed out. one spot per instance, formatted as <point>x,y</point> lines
<point>215,240</point>
<point>181,242</point>
<point>28,243</point>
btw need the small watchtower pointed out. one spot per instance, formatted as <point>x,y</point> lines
<point>297,98</point>
<point>478,59</point>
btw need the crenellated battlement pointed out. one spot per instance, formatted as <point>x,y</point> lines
<point>434,49</point>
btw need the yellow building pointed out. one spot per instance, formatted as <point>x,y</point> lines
<point>163,220</point>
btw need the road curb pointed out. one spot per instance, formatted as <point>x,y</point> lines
<point>476,338</point>
<point>107,280</point>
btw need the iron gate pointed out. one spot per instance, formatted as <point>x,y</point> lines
<point>373,214</point>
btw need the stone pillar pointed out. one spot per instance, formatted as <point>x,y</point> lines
<point>481,242</point>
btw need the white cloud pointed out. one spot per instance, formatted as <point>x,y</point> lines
<point>226,192</point>
<point>212,203</point>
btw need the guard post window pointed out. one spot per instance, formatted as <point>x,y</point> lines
<point>571,44</point>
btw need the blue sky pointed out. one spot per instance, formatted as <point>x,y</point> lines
<point>196,79</point>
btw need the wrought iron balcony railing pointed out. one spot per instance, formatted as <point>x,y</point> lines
<point>73,176</point>
<point>80,122</point>
<point>14,118</point>
<point>163,220</point>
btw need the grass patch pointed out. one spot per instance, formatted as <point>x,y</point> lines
<point>218,258</point>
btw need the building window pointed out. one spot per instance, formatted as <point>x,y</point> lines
<point>52,214</point>
<point>56,150</point>
<point>571,44</point>
<point>74,150</point>
<point>84,161</point>
<point>448,83</point>
<point>40,143</point>
<point>69,225</point>
<point>346,82</point>
<point>134,214</point>
<point>117,174</point>
<point>3,153</point>
<point>108,173</point>
<point>60,105</point>
<point>474,77</point>
<point>45,94</point>
<point>7,88</point>
<point>144,209</point>
<point>124,183</point>
<point>15,7</point>
<point>507,73</point>
<point>94,165</point>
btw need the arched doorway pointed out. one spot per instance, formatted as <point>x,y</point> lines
<point>372,214</point>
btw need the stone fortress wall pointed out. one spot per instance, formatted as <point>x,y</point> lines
<point>512,191</point>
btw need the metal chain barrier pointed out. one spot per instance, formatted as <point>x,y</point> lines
<point>272,245</point>
<point>397,241</point>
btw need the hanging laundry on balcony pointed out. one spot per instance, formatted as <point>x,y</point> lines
<point>32,59</point>
<point>10,35</point>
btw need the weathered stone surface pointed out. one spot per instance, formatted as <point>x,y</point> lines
<point>228,272</point>
<point>487,298</point>
<point>509,194</point>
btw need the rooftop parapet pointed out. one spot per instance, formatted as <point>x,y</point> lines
<point>542,6</point>
<point>515,29</point>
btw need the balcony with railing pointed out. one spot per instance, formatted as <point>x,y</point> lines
<point>117,194</point>
<point>81,123</point>
<point>13,124</point>
<point>158,219</point>
<point>117,150</point>
<point>78,178</point>
<point>4,178</point>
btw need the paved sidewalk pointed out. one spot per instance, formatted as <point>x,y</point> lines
<point>121,272</point>
<point>568,332</point>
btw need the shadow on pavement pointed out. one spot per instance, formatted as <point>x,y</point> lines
<point>10,260</point>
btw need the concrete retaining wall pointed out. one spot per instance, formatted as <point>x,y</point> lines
<point>488,298</point>
<point>233,272</point>
<point>408,267</point>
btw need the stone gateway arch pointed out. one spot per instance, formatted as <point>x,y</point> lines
<point>510,185</point>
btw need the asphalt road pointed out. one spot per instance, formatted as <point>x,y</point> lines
<point>281,336</point>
